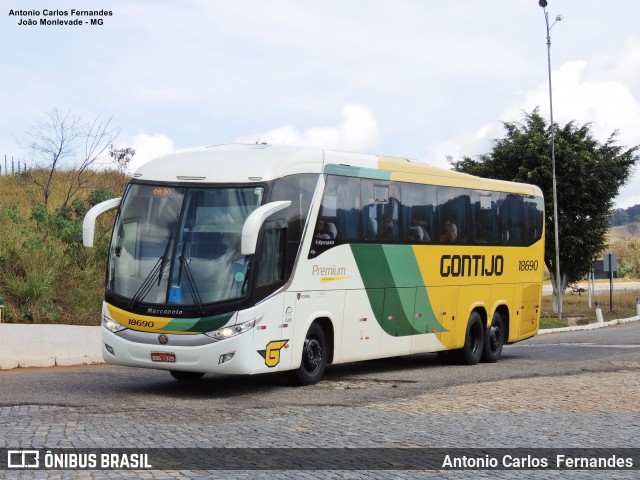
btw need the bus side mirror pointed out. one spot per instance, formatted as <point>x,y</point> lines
<point>89,222</point>
<point>254,221</point>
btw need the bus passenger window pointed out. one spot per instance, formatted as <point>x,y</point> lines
<point>389,231</point>
<point>326,230</point>
<point>381,211</point>
<point>449,233</point>
<point>418,232</point>
<point>338,221</point>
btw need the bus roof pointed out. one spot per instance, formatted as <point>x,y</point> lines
<point>242,163</point>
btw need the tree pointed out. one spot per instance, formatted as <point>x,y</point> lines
<point>588,173</point>
<point>63,148</point>
<point>122,157</point>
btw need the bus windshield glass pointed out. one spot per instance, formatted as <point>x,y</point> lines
<point>180,246</point>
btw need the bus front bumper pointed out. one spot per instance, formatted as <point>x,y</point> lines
<point>189,353</point>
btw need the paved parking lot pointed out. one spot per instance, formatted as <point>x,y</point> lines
<point>593,405</point>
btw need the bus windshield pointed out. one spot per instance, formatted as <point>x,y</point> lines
<point>180,245</point>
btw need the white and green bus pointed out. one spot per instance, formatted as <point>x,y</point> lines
<point>247,259</point>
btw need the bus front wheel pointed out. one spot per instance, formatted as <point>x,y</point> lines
<point>314,358</point>
<point>473,341</point>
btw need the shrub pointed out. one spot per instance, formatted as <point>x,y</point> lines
<point>33,287</point>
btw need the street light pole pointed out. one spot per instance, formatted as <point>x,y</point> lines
<point>543,4</point>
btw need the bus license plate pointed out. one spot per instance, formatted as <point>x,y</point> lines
<point>167,357</point>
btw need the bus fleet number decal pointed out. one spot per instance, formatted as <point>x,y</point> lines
<point>527,265</point>
<point>141,323</point>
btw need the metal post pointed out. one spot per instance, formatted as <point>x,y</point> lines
<point>610,283</point>
<point>543,4</point>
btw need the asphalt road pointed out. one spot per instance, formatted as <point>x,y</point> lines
<point>351,384</point>
<point>563,390</point>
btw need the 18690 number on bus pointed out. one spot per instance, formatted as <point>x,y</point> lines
<point>527,265</point>
<point>141,323</point>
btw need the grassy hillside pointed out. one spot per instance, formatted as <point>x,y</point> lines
<point>626,231</point>
<point>46,275</point>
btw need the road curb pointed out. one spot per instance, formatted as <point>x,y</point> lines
<point>23,345</point>
<point>591,326</point>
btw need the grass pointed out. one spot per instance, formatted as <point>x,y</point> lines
<point>46,276</point>
<point>576,311</point>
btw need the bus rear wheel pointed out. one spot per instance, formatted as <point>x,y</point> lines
<point>473,341</point>
<point>186,376</point>
<point>494,340</point>
<point>314,358</point>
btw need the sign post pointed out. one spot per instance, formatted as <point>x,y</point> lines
<point>610,265</point>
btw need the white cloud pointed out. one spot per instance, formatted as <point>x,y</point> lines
<point>582,92</point>
<point>358,131</point>
<point>148,147</point>
<point>585,96</point>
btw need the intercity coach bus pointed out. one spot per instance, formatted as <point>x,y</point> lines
<point>247,259</point>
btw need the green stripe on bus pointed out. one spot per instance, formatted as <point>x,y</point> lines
<point>198,325</point>
<point>349,171</point>
<point>392,270</point>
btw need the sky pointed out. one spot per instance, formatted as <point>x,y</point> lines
<point>422,79</point>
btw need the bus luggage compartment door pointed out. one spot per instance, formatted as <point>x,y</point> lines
<point>397,320</point>
<point>531,309</point>
<point>360,328</point>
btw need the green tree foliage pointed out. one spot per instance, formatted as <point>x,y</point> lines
<point>45,273</point>
<point>628,252</point>
<point>589,175</point>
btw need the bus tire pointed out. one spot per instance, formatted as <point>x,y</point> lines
<point>471,353</point>
<point>314,358</point>
<point>493,340</point>
<point>186,376</point>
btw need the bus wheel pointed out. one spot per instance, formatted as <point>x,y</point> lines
<point>186,376</point>
<point>314,358</point>
<point>473,341</point>
<point>494,340</point>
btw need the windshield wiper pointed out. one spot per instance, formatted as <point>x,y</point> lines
<point>156,271</point>
<point>191,284</point>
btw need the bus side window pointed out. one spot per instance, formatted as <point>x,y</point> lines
<point>340,207</point>
<point>484,225</point>
<point>454,214</point>
<point>534,213</point>
<point>299,190</point>
<point>513,220</point>
<point>418,204</point>
<point>381,211</point>
<point>338,221</point>
<point>272,258</point>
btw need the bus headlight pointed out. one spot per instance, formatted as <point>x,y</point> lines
<point>233,330</point>
<point>111,324</point>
